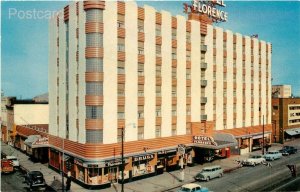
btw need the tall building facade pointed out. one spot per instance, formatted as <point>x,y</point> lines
<point>162,80</point>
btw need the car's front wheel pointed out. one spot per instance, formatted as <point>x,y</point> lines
<point>207,178</point>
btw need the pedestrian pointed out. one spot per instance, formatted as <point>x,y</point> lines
<point>68,184</point>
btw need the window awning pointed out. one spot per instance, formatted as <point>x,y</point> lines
<point>292,132</point>
<point>219,141</point>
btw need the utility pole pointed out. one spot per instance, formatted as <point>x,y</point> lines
<point>263,145</point>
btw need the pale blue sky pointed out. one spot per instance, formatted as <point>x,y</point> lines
<point>24,71</point>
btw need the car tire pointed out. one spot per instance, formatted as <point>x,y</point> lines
<point>254,165</point>
<point>207,178</point>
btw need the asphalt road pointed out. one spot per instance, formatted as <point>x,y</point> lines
<point>259,178</point>
<point>13,182</point>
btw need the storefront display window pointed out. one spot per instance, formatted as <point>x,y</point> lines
<point>95,175</point>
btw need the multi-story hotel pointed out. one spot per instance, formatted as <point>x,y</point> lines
<point>180,90</point>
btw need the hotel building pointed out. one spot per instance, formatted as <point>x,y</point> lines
<point>178,89</point>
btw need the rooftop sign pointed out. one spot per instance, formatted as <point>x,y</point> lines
<point>209,8</point>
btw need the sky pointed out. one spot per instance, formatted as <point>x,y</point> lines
<point>24,39</point>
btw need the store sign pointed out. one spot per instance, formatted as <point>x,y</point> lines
<point>41,141</point>
<point>204,140</point>
<point>144,157</point>
<point>208,7</point>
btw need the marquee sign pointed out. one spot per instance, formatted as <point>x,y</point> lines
<point>209,8</point>
<point>204,140</point>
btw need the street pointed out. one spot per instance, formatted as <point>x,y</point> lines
<point>258,178</point>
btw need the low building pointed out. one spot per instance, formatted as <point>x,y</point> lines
<point>285,119</point>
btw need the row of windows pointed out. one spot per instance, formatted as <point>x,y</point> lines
<point>294,121</point>
<point>94,65</point>
<point>294,108</point>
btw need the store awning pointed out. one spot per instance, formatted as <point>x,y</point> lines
<point>36,141</point>
<point>292,132</point>
<point>218,141</point>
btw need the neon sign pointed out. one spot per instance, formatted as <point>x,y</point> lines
<point>209,8</point>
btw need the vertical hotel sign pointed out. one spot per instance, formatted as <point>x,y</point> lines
<point>209,8</point>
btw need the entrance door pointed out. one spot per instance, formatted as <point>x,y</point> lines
<point>114,174</point>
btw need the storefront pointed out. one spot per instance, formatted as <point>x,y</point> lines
<point>209,148</point>
<point>37,147</point>
<point>291,133</point>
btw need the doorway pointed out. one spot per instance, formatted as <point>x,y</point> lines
<point>113,172</point>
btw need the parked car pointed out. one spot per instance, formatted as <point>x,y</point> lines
<point>254,160</point>
<point>210,172</point>
<point>192,187</point>
<point>14,160</point>
<point>287,150</point>
<point>35,179</point>
<point>7,166</point>
<point>272,155</point>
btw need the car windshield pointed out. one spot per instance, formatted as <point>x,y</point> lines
<point>205,170</point>
<point>185,189</point>
<point>271,152</point>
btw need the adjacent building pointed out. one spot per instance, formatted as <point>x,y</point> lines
<point>285,119</point>
<point>281,91</point>
<point>179,91</point>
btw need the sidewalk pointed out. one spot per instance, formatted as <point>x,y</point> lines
<point>165,181</point>
<point>53,179</point>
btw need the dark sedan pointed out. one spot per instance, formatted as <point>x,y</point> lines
<point>35,179</point>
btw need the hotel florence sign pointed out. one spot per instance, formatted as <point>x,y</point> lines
<point>209,8</point>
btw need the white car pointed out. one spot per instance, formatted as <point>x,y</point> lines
<point>254,160</point>
<point>272,155</point>
<point>14,160</point>
<point>210,172</point>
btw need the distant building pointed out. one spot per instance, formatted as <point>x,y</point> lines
<point>16,112</point>
<point>285,118</point>
<point>281,91</point>
<point>41,98</point>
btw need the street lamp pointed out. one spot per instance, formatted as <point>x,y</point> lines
<point>122,156</point>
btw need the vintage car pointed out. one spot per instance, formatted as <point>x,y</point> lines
<point>7,166</point>
<point>35,179</point>
<point>272,155</point>
<point>192,187</point>
<point>210,172</point>
<point>254,160</point>
<point>14,160</point>
<point>287,150</point>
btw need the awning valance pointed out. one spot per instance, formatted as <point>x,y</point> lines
<point>36,141</point>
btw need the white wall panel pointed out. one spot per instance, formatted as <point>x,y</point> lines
<point>149,71</point>
<point>219,79</point>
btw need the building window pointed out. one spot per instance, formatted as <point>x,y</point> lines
<point>188,73</point>
<point>120,24</point>
<point>121,115</point>
<point>94,88</point>
<point>94,15</point>
<point>94,112</point>
<point>140,133</point>
<point>140,69</point>
<point>174,34</point>
<point>174,56</point>
<point>158,131</point>
<point>94,136</point>
<point>158,111</point>
<point>140,112</point>
<point>158,30</point>
<point>121,47</point>
<point>141,51</point>
<point>94,40</point>
<point>94,65</point>
<point>158,50</point>
<point>140,26</point>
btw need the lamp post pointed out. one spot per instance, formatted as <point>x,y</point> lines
<point>122,159</point>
